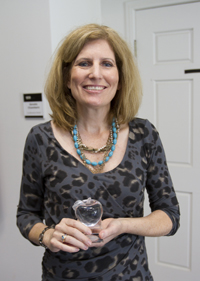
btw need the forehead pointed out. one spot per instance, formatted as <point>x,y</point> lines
<point>97,47</point>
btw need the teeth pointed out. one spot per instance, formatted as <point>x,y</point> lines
<point>94,88</point>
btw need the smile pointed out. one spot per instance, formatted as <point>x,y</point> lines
<point>97,88</point>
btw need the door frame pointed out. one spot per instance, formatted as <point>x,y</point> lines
<point>132,6</point>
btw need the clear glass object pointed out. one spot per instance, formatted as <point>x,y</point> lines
<point>89,212</point>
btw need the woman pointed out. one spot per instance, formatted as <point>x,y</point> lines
<point>94,146</point>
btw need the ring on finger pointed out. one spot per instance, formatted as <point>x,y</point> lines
<point>63,237</point>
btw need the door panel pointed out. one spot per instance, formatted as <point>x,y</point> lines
<point>168,43</point>
<point>169,118</point>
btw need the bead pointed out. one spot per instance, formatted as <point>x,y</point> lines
<point>114,135</point>
<point>75,137</point>
<point>107,158</point>
<point>75,132</point>
<point>76,144</point>
<point>113,147</point>
<point>113,138</point>
<point>110,153</point>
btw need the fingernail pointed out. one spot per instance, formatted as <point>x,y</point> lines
<point>89,242</point>
<point>85,248</point>
<point>102,235</point>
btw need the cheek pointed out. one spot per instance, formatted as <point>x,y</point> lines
<point>115,80</point>
<point>72,82</point>
<point>75,79</point>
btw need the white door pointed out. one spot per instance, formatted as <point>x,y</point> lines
<point>168,43</point>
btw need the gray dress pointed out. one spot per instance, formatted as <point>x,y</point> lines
<point>53,180</point>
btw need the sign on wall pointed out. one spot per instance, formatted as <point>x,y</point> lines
<point>33,105</point>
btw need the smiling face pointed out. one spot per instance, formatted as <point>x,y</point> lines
<point>94,76</point>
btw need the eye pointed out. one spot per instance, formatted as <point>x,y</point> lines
<point>107,63</point>
<point>84,64</point>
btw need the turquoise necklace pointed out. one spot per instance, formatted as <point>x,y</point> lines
<point>108,149</point>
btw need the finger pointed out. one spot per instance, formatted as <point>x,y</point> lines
<point>73,237</point>
<point>79,239</point>
<point>73,242</point>
<point>111,230</point>
<point>58,245</point>
<point>99,244</point>
<point>75,229</point>
<point>106,233</point>
<point>74,224</point>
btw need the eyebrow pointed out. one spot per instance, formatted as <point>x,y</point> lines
<point>89,59</point>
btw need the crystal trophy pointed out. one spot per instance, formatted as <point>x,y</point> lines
<point>89,212</point>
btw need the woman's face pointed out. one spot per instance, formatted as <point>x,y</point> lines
<point>94,75</point>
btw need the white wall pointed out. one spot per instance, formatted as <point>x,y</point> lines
<point>24,51</point>
<point>30,30</point>
<point>113,15</point>
<point>68,14</point>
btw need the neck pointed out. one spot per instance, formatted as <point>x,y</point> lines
<point>93,122</point>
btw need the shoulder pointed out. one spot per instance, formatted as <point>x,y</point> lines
<point>143,130</point>
<point>141,124</point>
<point>39,132</point>
<point>42,127</point>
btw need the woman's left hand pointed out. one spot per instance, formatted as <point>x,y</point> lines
<point>156,224</point>
<point>111,228</point>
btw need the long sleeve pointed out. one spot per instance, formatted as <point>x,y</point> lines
<point>30,208</point>
<point>159,184</point>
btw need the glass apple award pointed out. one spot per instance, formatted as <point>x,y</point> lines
<point>89,212</point>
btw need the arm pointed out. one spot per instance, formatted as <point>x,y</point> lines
<point>30,213</point>
<point>75,240</point>
<point>164,219</point>
<point>30,208</point>
<point>156,224</point>
<point>159,184</point>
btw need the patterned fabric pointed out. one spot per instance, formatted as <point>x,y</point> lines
<point>53,180</point>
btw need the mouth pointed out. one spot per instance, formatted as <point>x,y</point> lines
<point>94,88</point>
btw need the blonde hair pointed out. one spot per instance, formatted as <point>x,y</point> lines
<point>126,102</point>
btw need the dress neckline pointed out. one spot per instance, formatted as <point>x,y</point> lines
<point>51,134</point>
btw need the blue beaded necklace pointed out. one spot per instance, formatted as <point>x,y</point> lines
<point>108,149</point>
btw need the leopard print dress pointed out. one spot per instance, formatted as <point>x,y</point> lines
<point>53,180</point>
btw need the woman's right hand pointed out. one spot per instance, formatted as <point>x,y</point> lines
<point>75,236</point>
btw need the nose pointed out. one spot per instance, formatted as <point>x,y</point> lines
<point>95,71</point>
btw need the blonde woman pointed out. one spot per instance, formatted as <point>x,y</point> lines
<point>95,147</point>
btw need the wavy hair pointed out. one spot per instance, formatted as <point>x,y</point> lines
<point>127,99</point>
